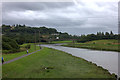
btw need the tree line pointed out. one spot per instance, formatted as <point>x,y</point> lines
<point>15,35</point>
<point>98,36</point>
<point>25,34</point>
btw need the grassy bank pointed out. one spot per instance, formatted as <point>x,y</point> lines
<point>107,45</point>
<point>14,55</point>
<point>50,63</point>
<point>56,42</point>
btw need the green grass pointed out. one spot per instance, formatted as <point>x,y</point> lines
<point>58,64</point>
<point>107,45</point>
<point>55,42</point>
<point>14,55</point>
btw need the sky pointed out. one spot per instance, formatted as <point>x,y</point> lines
<point>76,18</point>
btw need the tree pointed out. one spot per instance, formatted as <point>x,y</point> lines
<point>106,33</point>
<point>111,33</point>
<point>24,25</point>
<point>102,33</point>
<point>6,46</point>
<point>99,33</point>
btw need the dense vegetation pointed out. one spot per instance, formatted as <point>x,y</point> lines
<point>9,45</point>
<point>16,35</point>
<point>24,34</point>
<point>98,36</point>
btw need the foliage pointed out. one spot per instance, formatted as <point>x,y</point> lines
<point>6,46</point>
<point>27,46</point>
<point>20,34</point>
<point>25,34</point>
<point>9,45</point>
<point>98,36</point>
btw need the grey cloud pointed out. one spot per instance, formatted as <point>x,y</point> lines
<point>81,18</point>
<point>49,22</point>
<point>7,6</point>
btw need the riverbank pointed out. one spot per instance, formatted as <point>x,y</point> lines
<point>57,42</point>
<point>51,63</point>
<point>104,45</point>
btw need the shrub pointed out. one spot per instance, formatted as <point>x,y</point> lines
<point>5,51</point>
<point>14,44</point>
<point>43,41</point>
<point>27,46</point>
<point>9,45</point>
<point>109,43</point>
<point>6,46</point>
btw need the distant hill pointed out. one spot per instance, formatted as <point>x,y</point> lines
<point>24,34</point>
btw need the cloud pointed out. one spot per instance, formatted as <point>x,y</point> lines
<point>72,17</point>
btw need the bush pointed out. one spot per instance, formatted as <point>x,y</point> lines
<point>81,41</point>
<point>27,46</point>
<point>109,43</point>
<point>5,51</point>
<point>14,50</point>
<point>14,44</point>
<point>6,46</point>
<point>10,51</point>
<point>9,45</point>
<point>43,41</point>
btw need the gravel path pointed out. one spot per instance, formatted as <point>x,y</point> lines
<point>6,62</point>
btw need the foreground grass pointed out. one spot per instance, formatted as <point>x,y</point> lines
<point>50,63</point>
<point>55,42</point>
<point>14,55</point>
<point>107,45</point>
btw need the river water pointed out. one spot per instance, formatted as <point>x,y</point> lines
<point>107,59</point>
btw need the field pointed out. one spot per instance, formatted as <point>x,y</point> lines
<point>51,63</point>
<point>107,45</point>
<point>14,55</point>
<point>55,42</point>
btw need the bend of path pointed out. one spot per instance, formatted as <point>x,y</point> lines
<point>6,62</point>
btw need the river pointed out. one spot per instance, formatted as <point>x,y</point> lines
<point>107,59</point>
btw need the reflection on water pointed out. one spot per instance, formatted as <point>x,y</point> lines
<point>106,59</point>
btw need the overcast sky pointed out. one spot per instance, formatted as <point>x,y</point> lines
<point>75,18</point>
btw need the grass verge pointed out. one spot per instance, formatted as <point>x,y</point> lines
<point>106,45</point>
<point>51,63</point>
